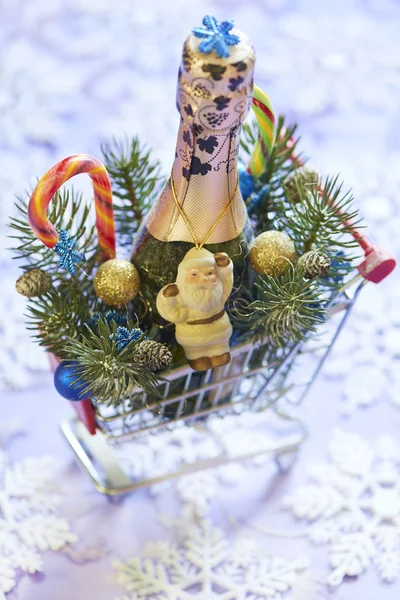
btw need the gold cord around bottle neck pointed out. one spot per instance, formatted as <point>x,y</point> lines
<point>185,218</point>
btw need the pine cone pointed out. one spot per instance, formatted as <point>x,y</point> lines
<point>153,355</point>
<point>315,264</point>
<point>302,179</point>
<point>33,283</point>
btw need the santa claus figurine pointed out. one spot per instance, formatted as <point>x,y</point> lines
<point>195,303</point>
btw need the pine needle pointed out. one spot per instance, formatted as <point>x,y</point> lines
<point>105,373</point>
<point>288,308</point>
<point>136,180</point>
<point>57,317</point>
<point>268,202</point>
<point>69,211</point>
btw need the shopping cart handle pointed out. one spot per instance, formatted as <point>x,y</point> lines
<point>377,264</point>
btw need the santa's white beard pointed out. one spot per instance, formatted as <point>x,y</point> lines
<point>201,299</point>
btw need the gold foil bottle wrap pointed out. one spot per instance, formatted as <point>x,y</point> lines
<point>213,98</point>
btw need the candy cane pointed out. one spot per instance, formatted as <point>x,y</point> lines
<point>53,180</point>
<point>266,132</point>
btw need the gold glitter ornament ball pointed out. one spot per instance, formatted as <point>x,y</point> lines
<point>116,282</point>
<point>271,253</point>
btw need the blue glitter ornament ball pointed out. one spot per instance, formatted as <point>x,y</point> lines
<point>64,375</point>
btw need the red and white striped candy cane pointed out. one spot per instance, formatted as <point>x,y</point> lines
<point>50,183</point>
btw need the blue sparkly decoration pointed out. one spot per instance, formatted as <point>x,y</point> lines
<point>65,248</point>
<point>111,316</point>
<point>123,336</point>
<point>337,269</point>
<point>259,200</point>
<point>64,376</point>
<point>93,320</point>
<point>246,182</point>
<point>216,36</point>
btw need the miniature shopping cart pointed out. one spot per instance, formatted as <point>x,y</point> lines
<point>258,379</point>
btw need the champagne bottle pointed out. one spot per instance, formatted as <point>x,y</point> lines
<point>214,96</point>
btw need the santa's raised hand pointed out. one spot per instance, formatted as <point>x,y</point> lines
<point>195,303</point>
<point>170,290</point>
<point>222,259</point>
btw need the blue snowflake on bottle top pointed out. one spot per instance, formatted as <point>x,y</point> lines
<point>65,248</point>
<point>216,36</point>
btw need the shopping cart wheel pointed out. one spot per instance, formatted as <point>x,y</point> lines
<point>285,460</point>
<point>116,500</point>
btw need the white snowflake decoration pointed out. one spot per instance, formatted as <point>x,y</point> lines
<point>353,504</point>
<point>22,362</point>
<point>371,337</point>
<point>29,523</point>
<point>177,450</point>
<point>206,567</point>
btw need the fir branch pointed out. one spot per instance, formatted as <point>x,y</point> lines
<point>341,266</point>
<point>301,180</point>
<point>268,203</point>
<point>287,308</point>
<point>280,164</point>
<point>106,373</point>
<point>248,139</point>
<point>57,317</point>
<point>136,179</point>
<point>67,211</point>
<point>323,218</point>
